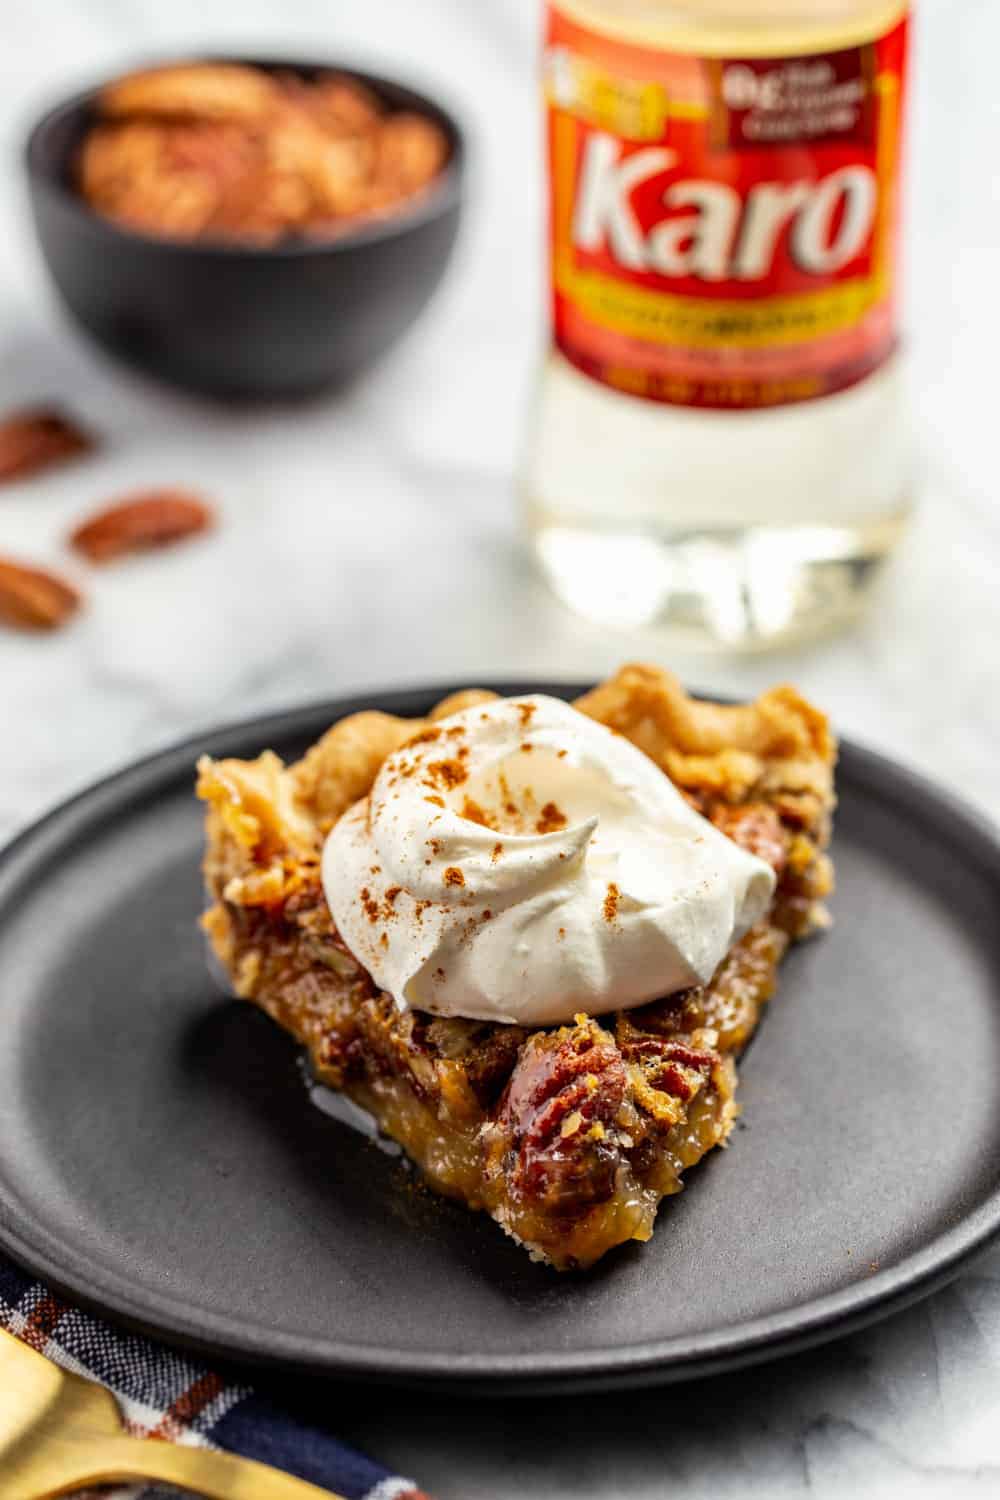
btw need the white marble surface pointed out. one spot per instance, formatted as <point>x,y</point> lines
<point>386,523</point>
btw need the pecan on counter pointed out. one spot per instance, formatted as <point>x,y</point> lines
<point>33,599</point>
<point>153,518</point>
<point>35,438</point>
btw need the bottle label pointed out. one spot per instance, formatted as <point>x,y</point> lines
<point>723,229</point>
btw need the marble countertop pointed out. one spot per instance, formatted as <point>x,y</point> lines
<point>388,521</point>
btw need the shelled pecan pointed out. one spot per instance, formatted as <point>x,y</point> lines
<point>33,599</point>
<point>227,151</point>
<point>153,518</point>
<point>35,438</point>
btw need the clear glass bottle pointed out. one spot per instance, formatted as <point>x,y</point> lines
<point>719,440</point>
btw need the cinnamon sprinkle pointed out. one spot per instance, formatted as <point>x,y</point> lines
<point>551,820</point>
<point>453,876</point>
<point>476,814</point>
<point>611,901</point>
<point>446,773</point>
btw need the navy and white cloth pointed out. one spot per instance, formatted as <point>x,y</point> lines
<point>170,1396</point>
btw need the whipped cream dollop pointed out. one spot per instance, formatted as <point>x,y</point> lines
<point>520,862</point>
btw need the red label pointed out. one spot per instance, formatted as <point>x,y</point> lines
<point>723,229</point>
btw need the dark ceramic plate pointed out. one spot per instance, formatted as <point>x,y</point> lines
<point>160,1158</point>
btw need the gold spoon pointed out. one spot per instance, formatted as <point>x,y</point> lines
<point>59,1432</point>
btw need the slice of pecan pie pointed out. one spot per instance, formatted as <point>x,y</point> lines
<point>567,1135</point>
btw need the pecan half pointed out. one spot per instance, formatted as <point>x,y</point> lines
<point>665,1072</point>
<point>667,1065</point>
<point>342,103</point>
<point>155,518</point>
<point>33,439</point>
<point>563,1095</point>
<point>411,150</point>
<point>205,91</point>
<point>31,599</point>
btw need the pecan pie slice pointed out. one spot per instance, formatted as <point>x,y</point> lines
<point>569,1135</point>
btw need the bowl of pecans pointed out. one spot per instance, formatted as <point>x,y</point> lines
<point>246,229</point>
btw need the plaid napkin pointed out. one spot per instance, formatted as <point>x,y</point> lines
<point>164,1394</point>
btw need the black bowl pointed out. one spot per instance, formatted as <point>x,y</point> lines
<point>236,320</point>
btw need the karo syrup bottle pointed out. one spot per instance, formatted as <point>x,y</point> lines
<point>719,440</point>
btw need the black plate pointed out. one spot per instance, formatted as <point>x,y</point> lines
<point>160,1157</point>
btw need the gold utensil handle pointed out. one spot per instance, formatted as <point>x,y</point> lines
<point>75,1464</point>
